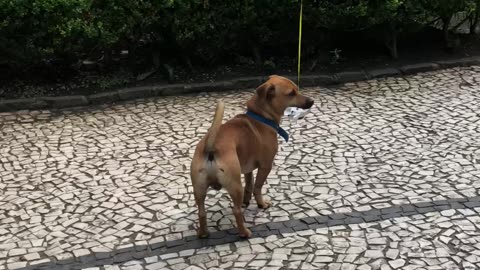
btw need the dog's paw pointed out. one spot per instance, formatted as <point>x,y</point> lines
<point>202,234</point>
<point>265,204</point>
<point>246,234</point>
<point>245,204</point>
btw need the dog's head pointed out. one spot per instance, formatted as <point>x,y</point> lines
<point>281,93</point>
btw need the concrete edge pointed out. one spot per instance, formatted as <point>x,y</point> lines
<point>132,93</point>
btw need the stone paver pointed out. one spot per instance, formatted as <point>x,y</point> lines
<point>382,174</point>
<point>347,247</point>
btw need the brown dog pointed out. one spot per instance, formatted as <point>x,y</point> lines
<point>241,145</point>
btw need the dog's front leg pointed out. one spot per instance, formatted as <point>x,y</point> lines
<point>259,181</point>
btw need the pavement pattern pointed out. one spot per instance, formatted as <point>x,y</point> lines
<point>382,174</point>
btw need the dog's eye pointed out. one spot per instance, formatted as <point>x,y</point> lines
<point>291,94</point>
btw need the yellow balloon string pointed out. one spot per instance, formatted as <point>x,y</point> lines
<point>299,42</point>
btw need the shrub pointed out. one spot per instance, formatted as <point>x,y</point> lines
<point>33,32</point>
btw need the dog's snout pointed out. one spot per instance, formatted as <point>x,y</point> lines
<point>308,103</point>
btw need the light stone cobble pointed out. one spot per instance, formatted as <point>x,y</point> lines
<point>76,181</point>
<point>420,250</point>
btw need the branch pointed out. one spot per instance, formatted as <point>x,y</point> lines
<point>433,21</point>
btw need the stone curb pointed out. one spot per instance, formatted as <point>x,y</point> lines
<point>133,93</point>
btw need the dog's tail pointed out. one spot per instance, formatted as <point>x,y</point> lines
<point>212,132</point>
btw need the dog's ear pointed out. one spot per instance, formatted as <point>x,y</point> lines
<point>266,91</point>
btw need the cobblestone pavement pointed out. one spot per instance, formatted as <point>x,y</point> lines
<point>383,174</point>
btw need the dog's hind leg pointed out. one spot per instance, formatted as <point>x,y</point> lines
<point>236,192</point>
<point>230,177</point>
<point>199,174</point>
<point>247,195</point>
<point>200,192</point>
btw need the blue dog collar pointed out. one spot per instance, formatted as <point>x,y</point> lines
<point>269,122</point>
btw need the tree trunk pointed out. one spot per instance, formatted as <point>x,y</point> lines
<point>107,59</point>
<point>257,56</point>
<point>393,49</point>
<point>446,31</point>
<point>475,18</point>
<point>474,22</point>
<point>390,39</point>
<point>156,59</point>
<point>188,63</point>
<point>132,58</point>
<point>168,73</point>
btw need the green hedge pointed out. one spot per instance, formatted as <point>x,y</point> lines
<point>33,32</point>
